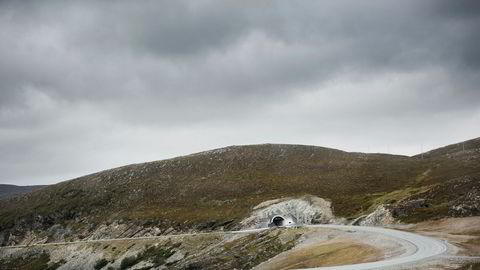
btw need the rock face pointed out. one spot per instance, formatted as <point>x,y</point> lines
<point>24,234</point>
<point>381,216</point>
<point>305,210</point>
<point>207,252</point>
<point>466,205</point>
<point>386,214</point>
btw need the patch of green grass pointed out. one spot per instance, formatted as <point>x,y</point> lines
<point>422,214</point>
<point>397,195</point>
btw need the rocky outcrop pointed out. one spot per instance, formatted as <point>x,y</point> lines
<point>382,215</point>
<point>43,230</point>
<point>459,197</point>
<point>466,205</point>
<point>305,210</point>
<point>386,214</point>
<point>208,252</point>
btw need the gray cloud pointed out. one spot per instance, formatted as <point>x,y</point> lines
<point>87,85</point>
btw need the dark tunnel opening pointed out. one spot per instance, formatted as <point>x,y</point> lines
<point>278,221</point>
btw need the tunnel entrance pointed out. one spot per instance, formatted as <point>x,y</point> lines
<point>282,221</point>
<point>278,221</point>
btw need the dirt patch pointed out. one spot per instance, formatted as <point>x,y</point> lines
<point>466,225</point>
<point>327,255</point>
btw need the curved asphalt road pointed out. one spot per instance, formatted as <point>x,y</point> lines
<point>423,247</point>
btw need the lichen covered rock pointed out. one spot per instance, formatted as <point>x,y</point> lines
<point>381,216</point>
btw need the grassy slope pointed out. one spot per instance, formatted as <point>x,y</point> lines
<point>224,184</point>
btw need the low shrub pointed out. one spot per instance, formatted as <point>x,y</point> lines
<point>127,262</point>
<point>100,264</point>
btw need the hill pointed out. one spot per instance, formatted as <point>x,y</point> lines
<point>466,149</point>
<point>8,191</point>
<point>219,188</point>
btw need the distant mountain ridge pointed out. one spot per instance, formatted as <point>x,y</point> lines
<point>465,148</point>
<point>9,191</point>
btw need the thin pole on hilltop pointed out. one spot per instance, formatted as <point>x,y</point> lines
<point>421,149</point>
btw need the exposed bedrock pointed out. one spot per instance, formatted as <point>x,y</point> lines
<point>304,210</point>
<point>381,216</point>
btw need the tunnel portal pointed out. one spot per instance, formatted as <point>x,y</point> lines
<point>278,221</point>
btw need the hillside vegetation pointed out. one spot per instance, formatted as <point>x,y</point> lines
<point>219,187</point>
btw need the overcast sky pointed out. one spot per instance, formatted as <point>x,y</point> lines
<point>90,85</point>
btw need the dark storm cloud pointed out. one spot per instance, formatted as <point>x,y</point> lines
<point>90,84</point>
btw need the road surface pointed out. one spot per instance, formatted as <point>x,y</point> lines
<point>423,248</point>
